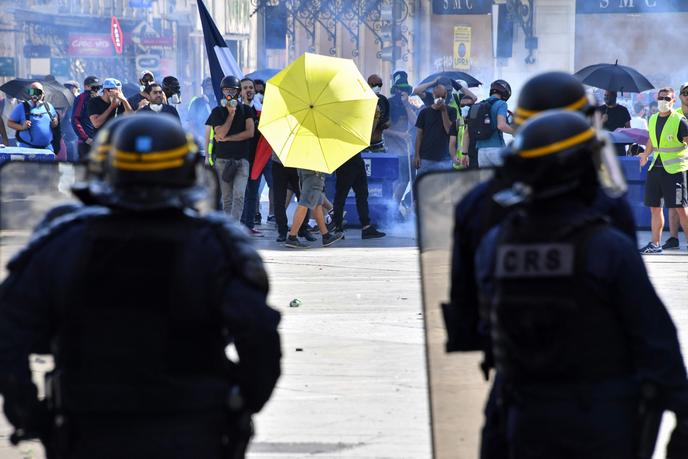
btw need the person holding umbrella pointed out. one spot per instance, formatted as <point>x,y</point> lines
<point>667,180</point>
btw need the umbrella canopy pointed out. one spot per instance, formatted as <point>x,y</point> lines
<point>639,136</point>
<point>263,74</point>
<point>620,137</point>
<point>453,75</point>
<point>318,112</point>
<point>614,77</point>
<point>55,93</point>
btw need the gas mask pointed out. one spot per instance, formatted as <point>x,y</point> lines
<point>229,100</point>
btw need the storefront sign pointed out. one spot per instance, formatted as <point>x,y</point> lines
<point>157,41</point>
<point>7,67</point>
<point>461,6</point>
<point>462,47</point>
<point>89,45</point>
<point>116,35</point>
<point>630,6</point>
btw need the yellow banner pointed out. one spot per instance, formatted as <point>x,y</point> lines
<point>462,47</point>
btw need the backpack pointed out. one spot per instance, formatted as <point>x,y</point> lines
<point>481,126</point>
<point>56,132</point>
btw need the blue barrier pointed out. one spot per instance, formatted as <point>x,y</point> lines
<point>21,154</point>
<point>382,170</point>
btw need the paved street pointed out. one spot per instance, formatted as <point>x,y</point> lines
<point>353,383</point>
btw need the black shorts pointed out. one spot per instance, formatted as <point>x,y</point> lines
<point>663,189</point>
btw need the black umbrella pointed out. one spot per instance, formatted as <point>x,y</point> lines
<point>613,77</point>
<point>55,93</point>
<point>453,75</point>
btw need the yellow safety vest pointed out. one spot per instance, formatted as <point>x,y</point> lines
<point>460,130</point>
<point>672,150</point>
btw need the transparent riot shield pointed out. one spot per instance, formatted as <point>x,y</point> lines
<point>456,387</point>
<point>29,189</point>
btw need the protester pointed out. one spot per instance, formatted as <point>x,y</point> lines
<point>312,198</point>
<point>639,121</point>
<point>137,100</point>
<point>199,110</point>
<point>232,127</point>
<point>488,123</point>
<point>381,120</point>
<point>109,105</point>
<point>672,242</point>
<point>615,116</point>
<point>667,181</point>
<point>402,116</point>
<point>352,174</point>
<point>260,90</point>
<point>285,179</point>
<point>155,95</point>
<point>35,120</point>
<point>248,216</point>
<point>80,120</point>
<point>433,128</point>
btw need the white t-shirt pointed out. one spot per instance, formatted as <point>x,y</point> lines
<point>638,122</point>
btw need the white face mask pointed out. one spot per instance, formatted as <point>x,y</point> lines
<point>664,106</point>
<point>176,99</point>
<point>156,107</point>
<point>377,89</point>
<point>465,110</point>
<point>258,97</point>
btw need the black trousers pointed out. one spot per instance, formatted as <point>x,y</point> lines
<point>83,150</point>
<point>282,179</point>
<point>351,174</point>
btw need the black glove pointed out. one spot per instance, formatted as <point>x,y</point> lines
<point>31,420</point>
<point>678,444</point>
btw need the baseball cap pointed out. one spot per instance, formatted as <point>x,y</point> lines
<point>111,83</point>
<point>147,72</point>
<point>71,84</point>
<point>91,81</point>
<point>683,86</point>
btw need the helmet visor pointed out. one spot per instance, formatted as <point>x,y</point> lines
<point>609,172</point>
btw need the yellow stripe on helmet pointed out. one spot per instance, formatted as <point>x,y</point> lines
<point>523,114</point>
<point>154,156</point>
<point>558,146</point>
<point>138,166</point>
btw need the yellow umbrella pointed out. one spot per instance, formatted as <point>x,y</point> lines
<point>318,112</point>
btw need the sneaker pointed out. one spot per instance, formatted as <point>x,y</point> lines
<point>371,233</point>
<point>313,229</point>
<point>258,219</point>
<point>651,248</point>
<point>293,243</point>
<point>307,236</point>
<point>281,238</point>
<point>271,219</point>
<point>255,233</point>
<point>330,238</point>
<point>671,243</point>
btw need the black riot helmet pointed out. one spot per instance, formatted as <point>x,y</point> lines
<point>551,90</point>
<point>151,165</point>
<point>502,88</point>
<point>230,81</point>
<point>553,154</point>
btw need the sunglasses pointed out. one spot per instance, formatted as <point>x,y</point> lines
<point>96,88</point>
<point>34,92</point>
<point>665,98</point>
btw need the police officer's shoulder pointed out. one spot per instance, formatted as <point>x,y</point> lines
<point>238,247</point>
<point>56,222</point>
<point>468,205</point>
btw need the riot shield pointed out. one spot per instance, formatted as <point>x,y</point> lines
<point>29,189</point>
<point>457,390</point>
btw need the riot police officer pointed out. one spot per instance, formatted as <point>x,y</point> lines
<point>139,298</point>
<point>477,213</point>
<point>579,336</point>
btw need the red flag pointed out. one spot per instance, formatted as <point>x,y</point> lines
<point>263,154</point>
